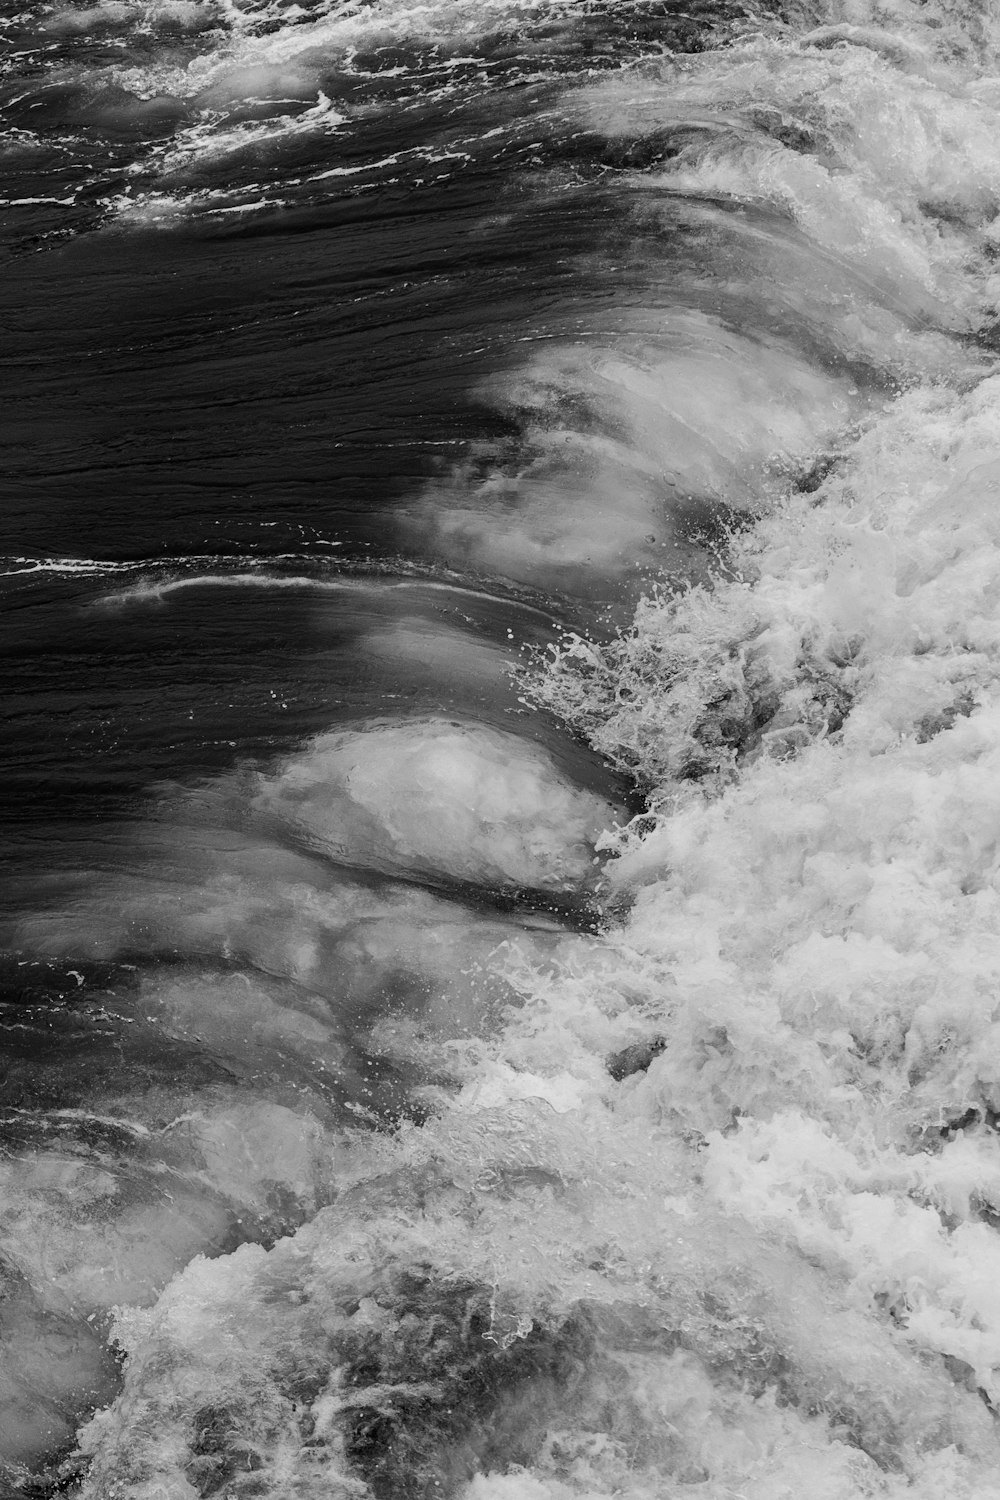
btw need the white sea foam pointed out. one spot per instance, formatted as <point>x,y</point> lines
<point>900,171</point>
<point>85,566</point>
<point>346,958</point>
<point>595,499</point>
<point>440,797</point>
<point>265,58</point>
<point>165,574</point>
<point>157,589</point>
<point>872,194</point>
<point>141,15</point>
<point>761,1261</point>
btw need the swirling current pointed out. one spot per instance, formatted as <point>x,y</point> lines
<point>500,921</point>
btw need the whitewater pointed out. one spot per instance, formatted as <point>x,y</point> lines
<point>501,938</point>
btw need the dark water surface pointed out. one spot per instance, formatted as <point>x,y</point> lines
<point>375,1119</point>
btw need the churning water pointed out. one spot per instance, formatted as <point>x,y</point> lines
<point>501,862</point>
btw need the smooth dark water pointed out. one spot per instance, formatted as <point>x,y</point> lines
<point>382,1113</point>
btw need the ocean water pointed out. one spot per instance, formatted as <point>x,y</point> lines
<point>500,919</point>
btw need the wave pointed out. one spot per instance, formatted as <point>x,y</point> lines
<point>163,576</point>
<point>215,110</point>
<point>705,1198</point>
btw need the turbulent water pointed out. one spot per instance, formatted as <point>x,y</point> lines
<point>501,861</point>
